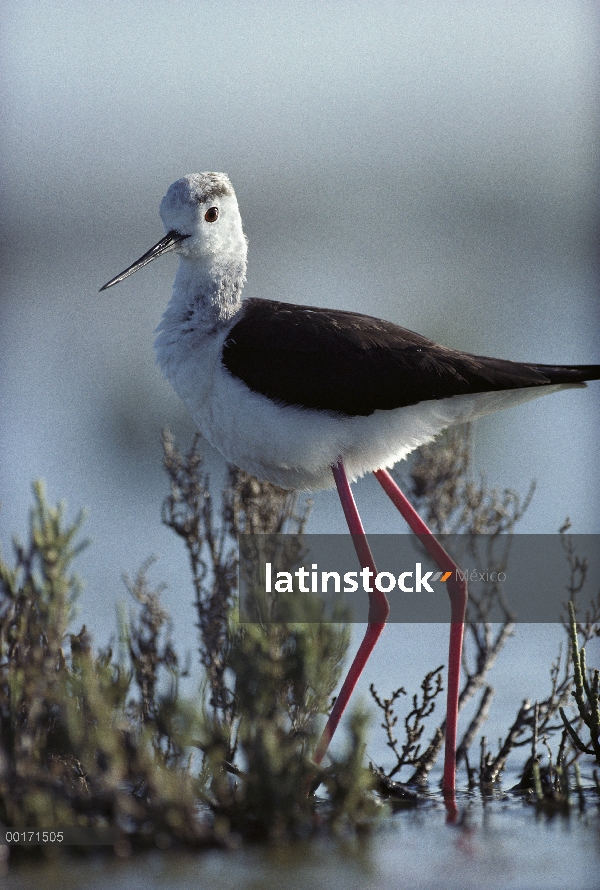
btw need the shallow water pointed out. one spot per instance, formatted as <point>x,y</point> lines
<point>499,843</point>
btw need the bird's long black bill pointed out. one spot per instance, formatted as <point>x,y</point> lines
<point>165,244</point>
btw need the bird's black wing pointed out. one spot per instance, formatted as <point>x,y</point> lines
<point>353,364</point>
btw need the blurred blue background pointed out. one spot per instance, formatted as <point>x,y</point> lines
<point>432,163</point>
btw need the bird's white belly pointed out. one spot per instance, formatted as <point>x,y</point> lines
<point>294,447</point>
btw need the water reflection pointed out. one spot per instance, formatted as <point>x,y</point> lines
<point>499,844</point>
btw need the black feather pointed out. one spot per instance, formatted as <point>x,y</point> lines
<point>352,364</point>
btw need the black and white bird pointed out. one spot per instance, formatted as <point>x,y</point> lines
<point>290,392</point>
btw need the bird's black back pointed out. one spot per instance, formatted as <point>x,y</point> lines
<point>352,364</point>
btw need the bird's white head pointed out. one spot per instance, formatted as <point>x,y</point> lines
<point>202,207</point>
<point>201,217</point>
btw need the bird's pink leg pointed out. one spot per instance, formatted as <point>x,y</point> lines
<point>457,590</point>
<point>379,609</point>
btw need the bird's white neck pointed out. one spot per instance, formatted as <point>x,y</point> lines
<point>206,295</point>
<point>211,290</point>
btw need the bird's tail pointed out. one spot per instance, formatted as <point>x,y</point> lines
<point>568,373</point>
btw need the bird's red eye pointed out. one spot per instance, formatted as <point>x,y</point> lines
<point>211,214</point>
